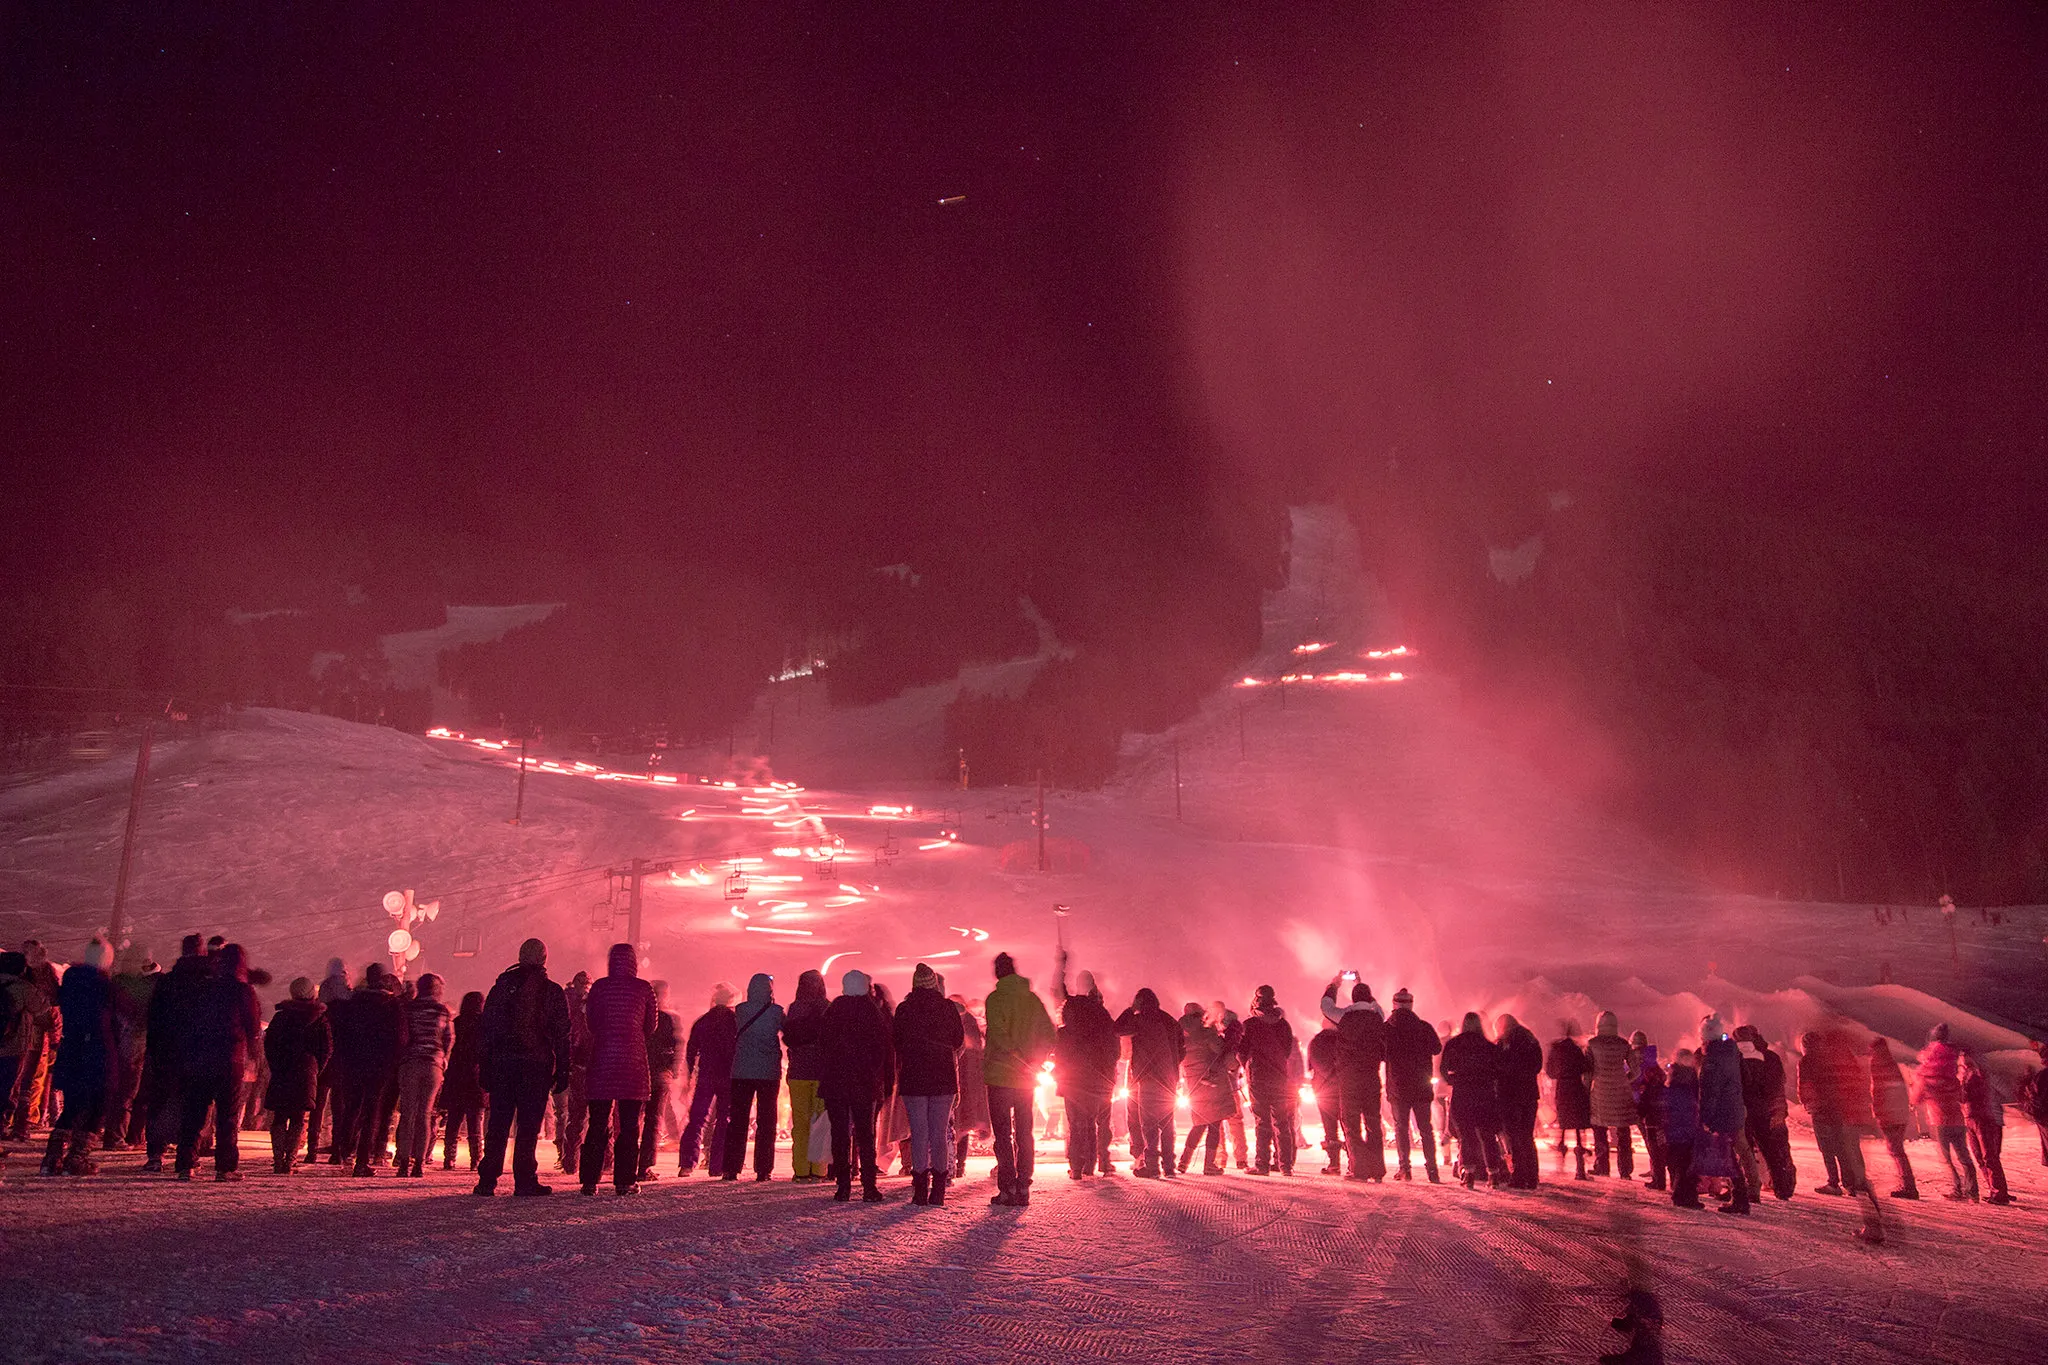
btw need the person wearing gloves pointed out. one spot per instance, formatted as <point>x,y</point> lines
<point>928,1036</point>
<point>756,1078</point>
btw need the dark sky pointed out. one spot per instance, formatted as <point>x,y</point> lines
<point>681,274</point>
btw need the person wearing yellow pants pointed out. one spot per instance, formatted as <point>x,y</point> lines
<point>805,1062</point>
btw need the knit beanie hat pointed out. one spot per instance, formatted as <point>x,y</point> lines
<point>722,993</point>
<point>1403,999</point>
<point>923,978</point>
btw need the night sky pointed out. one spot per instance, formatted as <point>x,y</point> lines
<point>683,275</point>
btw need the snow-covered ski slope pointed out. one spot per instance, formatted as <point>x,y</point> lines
<point>1362,823</point>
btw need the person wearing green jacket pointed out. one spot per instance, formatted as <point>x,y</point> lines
<point>1020,1038</point>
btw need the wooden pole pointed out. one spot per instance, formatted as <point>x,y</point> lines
<point>519,801</point>
<point>1176,779</point>
<point>128,838</point>
<point>1043,866</point>
<point>633,904</point>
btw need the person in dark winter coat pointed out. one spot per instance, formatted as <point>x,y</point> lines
<point>756,1078</point>
<point>1157,1046</point>
<point>135,982</point>
<point>162,1095</point>
<point>369,1041</point>
<point>1682,1128</point>
<point>1763,1099</point>
<point>1267,1050</point>
<point>1567,1067</point>
<point>1361,1051</point>
<point>1323,1084</point>
<point>1521,1063</point>
<point>525,1058</point>
<point>664,1052</point>
<point>1412,1046</point>
<point>858,1061</point>
<point>334,988</point>
<point>620,1011</point>
<point>1471,1067</point>
<point>222,1025</point>
<point>429,1037</point>
<point>1723,1116</point>
<point>297,1045</point>
<point>38,1029</point>
<point>1205,1075</point>
<point>1647,1087</point>
<point>85,1060</point>
<point>1085,1055</point>
<point>928,1037</point>
<point>462,1088</point>
<point>805,1069</point>
<point>707,1057</point>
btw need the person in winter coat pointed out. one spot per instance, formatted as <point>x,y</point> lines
<point>928,1037</point>
<point>970,1107</point>
<point>1361,1051</point>
<point>15,1029</point>
<point>1324,1085</point>
<point>1521,1063</point>
<point>572,1103</point>
<point>1471,1066</point>
<point>297,1045</point>
<point>462,1086</point>
<point>1983,1116</point>
<point>1567,1066</point>
<point>1412,1046</point>
<point>1893,1105</point>
<point>708,1056</point>
<point>135,980</point>
<point>2032,1096</point>
<point>525,1058</point>
<point>620,1013</point>
<point>1723,1117</point>
<point>892,1120</point>
<point>1768,1138</point>
<point>369,1042</point>
<point>162,1096</point>
<point>1682,1128</point>
<point>805,1063</point>
<point>858,1061</point>
<point>429,1037</point>
<point>1938,1090</point>
<point>756,1079</point>
<point>1268,1053</point>
<point>1834,1092</point>
<point>334,988</point>
<point>221,1024</point>
<point>85,1060</point>
<point>1157,1047</point>
<point>1085,1052</point>
<point>1205,1075</point>
<point>1019,1038</point>
<point>664,1051</point>
<point>1611,1098</point>
<point>1647,1086</point>
<point>40,1026</point>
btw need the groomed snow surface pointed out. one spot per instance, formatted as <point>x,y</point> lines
<point>319,1267</point>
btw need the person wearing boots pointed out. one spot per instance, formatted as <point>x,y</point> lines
<point>1268,1052</point>
<point>1566,1066</point>
<point>707,1057</point>
<point>1894,1107</point>
<point>429,1037</point>
<point>1471,1067</point>
<point>1157,1047</point>
<point>1412,1047</point>
<point>1205,1075</point>
<point>1085,1055</point>
<point>1361,1051</point>
<point>297,1044</point>
<point>85,1060</point>
<point>619,1013</point>
<point>222,1023</point>
<point>1018,1039</point>
<point>928,1036</point>
<point>525,1057</point>
<point>858,1062</point>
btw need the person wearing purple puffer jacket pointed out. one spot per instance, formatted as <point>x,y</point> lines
<point>622,1019</point>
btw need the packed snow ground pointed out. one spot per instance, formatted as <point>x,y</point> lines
<point>129,1267</point>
